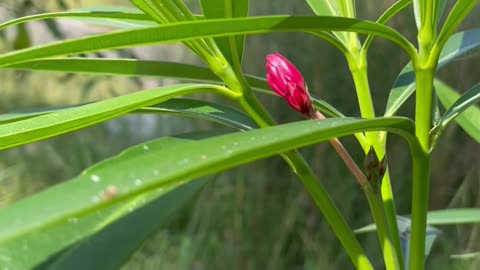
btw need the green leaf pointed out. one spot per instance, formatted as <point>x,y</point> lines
<point>417,12</point>
<point>130,19</point>
<point>118,16</point>
<point>203,29</point>
<point>183,107</point>
<point>232,47</point>
<point>440,9</point>
<point>188,160</point>
<point>140,68</point>
<point>393,10</point>
<point>444,217</point>
<point>204,110</point>
<point>324,7</point>
<point>463,103</point>
<point>328,8</point>
<point>404,86</point>
<point>126,234</point>
<point>22,40</point>
<point>466,256</point>
<point>405,228</point>
<point>36,246</point>
<point>454,216</point>
<point>458,13</point>
<point>164,11</point>
<point>128,67</point>
<point>469,119</point>
<point>173,11</point>
<point>60,122</point>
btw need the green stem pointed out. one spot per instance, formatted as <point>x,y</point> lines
<point>420,189</point>
<point>391,216</point>
<point>252,106</point>
<point>428,23</point>
<point>358,66</point>
<point>421,162</point>
<point>329,210</point>
<point>423,105</point>
<point>389,253</point>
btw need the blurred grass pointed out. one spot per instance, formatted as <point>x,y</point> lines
<point>257,216</point>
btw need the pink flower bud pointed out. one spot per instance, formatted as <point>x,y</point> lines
<point>285,79</point>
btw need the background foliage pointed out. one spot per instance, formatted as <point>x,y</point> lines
<point>256,216</point>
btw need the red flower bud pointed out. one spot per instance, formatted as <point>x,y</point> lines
<point>285,79</point>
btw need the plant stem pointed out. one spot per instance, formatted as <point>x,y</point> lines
<point>329,211</point>
<point>421,163</point>
<point>305,174</point>
<point>375,202</point>
<point>423,105</point>
<point>420,189</point>
<point>391,216</point>
<point>352,166</point>
<point>358,67</point>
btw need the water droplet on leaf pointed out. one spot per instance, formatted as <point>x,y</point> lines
<point>95,178</point>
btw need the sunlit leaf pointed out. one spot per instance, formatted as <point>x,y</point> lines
<point>95,227</point>
<point>22,40</point>
<point>187,161</point>
<point>328,8</point>
<point>126,234</point>
<point>393,10</point>
<point>404,86</point>
<point>202,29</point>
<point>60,122</point>
<point>183,107</point>
<point>463,103</point>
<point>454,216</point>
<point>115,16</point>
<point>440,9</point>
<point>444,217</point>
<point>456,16</point>
<point>417,12</point>
<point>141,68</point>
<point>469,119</point>
<point>466,256</point>
<point>231,47</point>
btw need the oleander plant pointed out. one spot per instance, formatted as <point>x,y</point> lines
<point>98,219</point>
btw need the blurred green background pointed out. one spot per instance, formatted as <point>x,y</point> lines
<point>257,216</point>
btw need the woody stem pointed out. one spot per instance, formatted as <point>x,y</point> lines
<point>342,152</point>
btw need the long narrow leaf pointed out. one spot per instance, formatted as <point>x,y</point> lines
<point>56,123</point>
<point>459,11</point>
<point>127,234</point>
<point>231,47</point>
<point>440,9</point>
<point>183,107</point>
<point>33,249</point>
<point>470,98</point>
<point>120,16</point>
<point>393,10</point>
<point>455,216</point>
<point>140,68</point>
<point>202,29</point>
<point>328,8</point>
<point>187,161</point>
<point>404,86</point>
<point>466,256</point>
<point>204,110</point>
<point>469,120</point>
